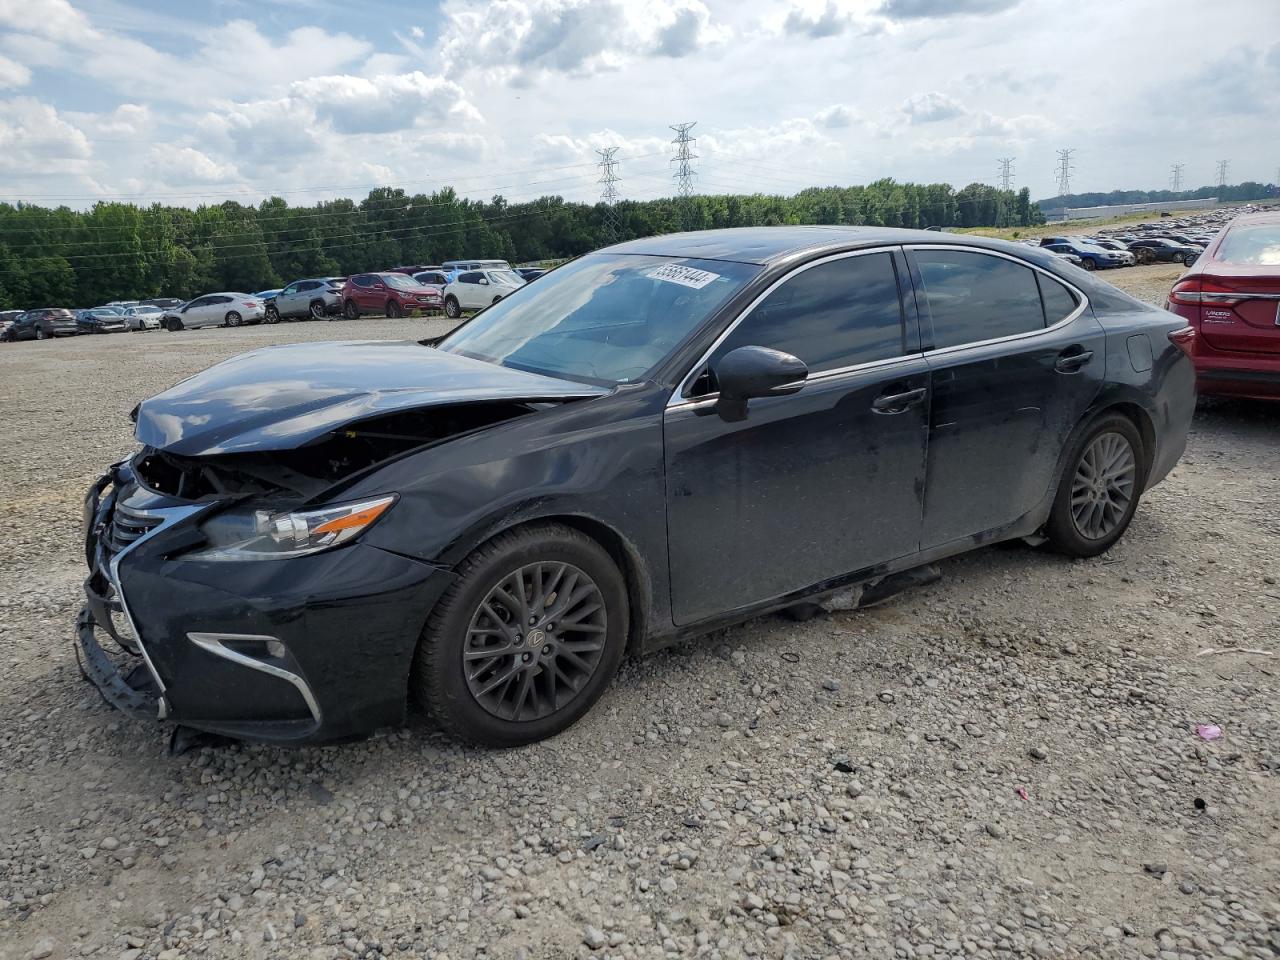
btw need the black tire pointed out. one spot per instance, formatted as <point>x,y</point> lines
<point>173,325</point>
<point>439,679</point>
<point>317,310</point>
<point>350,310</point>
<point>1063,530</point>
<point>394,309</point>
<point>40,333</point>
<point>233,319</point>
<point>1189,258</point>
<point>451,308</point>
<point>273,314</point>
<point>1089,264</point>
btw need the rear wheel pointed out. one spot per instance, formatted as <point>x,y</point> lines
<point>233,319</point>
<point>1188,259</point>
<point>350,310</point>
<point>173,324</point>
<point>317,310</point>
<point>526,639</point>
<point>1099,489</point>
<point>451,308</point>
<point>394,309</point>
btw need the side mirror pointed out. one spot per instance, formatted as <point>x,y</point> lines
<point>484,281</point>
<point>750,372</point>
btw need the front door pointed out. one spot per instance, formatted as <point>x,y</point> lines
<point>1017,360</point>
<point>811,486</point>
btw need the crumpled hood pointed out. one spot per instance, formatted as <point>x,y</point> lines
<point>282,397</point>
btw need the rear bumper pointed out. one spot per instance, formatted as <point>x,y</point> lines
<point>1244,380</point>
<point>304,650</point>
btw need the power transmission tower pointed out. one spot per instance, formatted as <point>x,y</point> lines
<point>684,170</point>
<point>1175,176</point>
<point>1006,172</point>
<point>610,232</point>
<point>1064,171</point>
<point>1222,172</point>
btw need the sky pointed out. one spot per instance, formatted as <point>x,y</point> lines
<point>210,100</point>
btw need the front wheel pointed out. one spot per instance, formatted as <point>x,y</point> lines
<point>233,319</point>
<point>173,325</point>
<point>451,308</point>
<point>40,334</point>
<point>1099,489</point>
<point>1089,264</point>
<point>394,309</point>
<point>1189,258</point>
<point>526,638</point>
<point>273,315</point>
<point>350,310</point>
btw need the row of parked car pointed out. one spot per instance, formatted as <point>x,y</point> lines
<point>452,288</point>
<point>1102,253</point>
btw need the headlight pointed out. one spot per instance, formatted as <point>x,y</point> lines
<point>266,535</point>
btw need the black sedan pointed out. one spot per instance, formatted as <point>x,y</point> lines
<point>99,320</point>
<point>653,441</point>
<point>1164,250</point>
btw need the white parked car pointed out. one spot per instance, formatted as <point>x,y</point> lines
<point>143,317</point>
<point>476,289</point>
<point>215,310</point>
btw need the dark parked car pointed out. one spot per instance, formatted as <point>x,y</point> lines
<point>1092,257</point>
<point>101,320</point>
<point>530,273</point>
<point>1231,296</point>
<point>44,323</point>
<point>7,317</point>
<point>388,294</point>
<point>1166,251</point>
<point>653,441</point>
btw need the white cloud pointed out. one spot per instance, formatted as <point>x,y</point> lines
<point>932,108</point>
<point>826,21</point>
<point>939,9</point>
<point>35,142</point>
<point>13,74</point>
<point>835,116</point>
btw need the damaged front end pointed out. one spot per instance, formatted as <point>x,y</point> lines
<point>219,580</point>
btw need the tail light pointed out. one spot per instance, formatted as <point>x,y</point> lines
<point>1183,339</point>
<point>1198,290</point>
<point>251,304</point>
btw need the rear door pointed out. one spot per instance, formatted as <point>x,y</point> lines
<point>810,486</point>
<point>1015,358</point>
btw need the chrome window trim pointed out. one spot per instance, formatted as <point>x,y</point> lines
<point>678,400</point>
<point>214,643</point>
<point>1025,335</point>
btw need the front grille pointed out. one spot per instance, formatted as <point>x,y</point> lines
<point>128,526</point>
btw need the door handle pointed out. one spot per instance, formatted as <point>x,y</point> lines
<point>1071,362</point>
<point>898,402</point>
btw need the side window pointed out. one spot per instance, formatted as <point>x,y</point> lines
<point>1059,302</point>
<point>834,315</point>
<point>361,281</point>
<point>469,278</point>
<point>974,296</point>
<point>291,288</point>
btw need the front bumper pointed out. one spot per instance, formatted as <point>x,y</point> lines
<point>308,649</point>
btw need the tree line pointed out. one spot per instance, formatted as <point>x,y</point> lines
<point>1249,190</point>
<point>120,251</point>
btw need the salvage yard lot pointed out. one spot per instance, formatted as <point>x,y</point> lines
<point>1002,764</point>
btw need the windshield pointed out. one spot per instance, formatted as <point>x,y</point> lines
<point>509,277</point>
<point>1258,245</point>
<point>400,281</point>
<point>603,318</point>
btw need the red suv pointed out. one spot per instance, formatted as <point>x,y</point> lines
<point>1231,297</point>
<point>389,294</point>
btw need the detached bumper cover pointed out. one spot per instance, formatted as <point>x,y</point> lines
<point>300,650</point>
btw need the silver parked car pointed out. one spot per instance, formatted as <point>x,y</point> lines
<point>316,299</point>
<point>214,310</point>
<point>143,317</point>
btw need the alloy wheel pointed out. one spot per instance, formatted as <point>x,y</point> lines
<point>1103,486</point>
<point>317,311</point>
<point>535,641</point>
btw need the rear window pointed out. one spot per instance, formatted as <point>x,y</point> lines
<point>1059,302</point>
<point>1251,245</point>
<point>973,297</point>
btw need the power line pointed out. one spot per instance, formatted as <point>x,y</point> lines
<point>1006,172</point>
<point>610,231</point>
<point>684,170</point>
<point>1175,176</point>
<point>1223,165</point>
<point>1065,169</point>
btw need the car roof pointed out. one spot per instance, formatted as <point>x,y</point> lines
<point>771,245</point>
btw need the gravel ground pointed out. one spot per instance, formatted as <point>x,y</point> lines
<point>1004,764</point>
